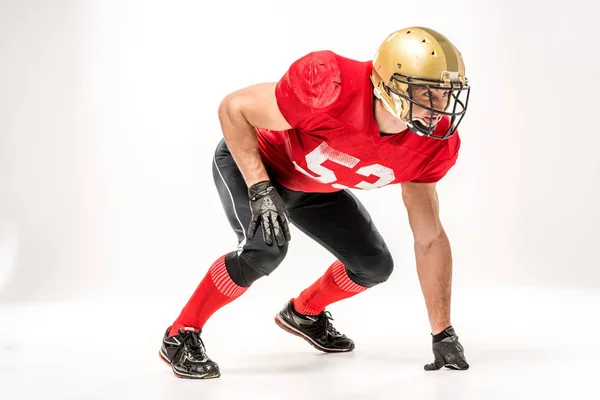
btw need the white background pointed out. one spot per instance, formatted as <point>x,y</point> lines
<point>108,122</point>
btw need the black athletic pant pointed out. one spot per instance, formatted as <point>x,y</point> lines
<point>338,221</point>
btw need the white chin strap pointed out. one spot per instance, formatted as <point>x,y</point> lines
<point>388,107</point>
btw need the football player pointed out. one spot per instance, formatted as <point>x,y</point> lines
<point>293,151</point>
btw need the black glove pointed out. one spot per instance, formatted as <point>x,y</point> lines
<point>268,209</point>
<point>447,352</point>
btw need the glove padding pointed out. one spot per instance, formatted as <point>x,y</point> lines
<point>448,353</point>
<point>268,208</point>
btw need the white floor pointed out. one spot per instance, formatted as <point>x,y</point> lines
<point>522,343</point>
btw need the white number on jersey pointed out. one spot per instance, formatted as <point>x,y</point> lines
<point>316,158</point>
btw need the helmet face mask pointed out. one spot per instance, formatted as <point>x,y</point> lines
<point>421,60</point>
<point>455,108</point>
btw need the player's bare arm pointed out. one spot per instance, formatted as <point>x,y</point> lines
<point>434,264</point>
<point>239,113</point>
<point>432,251</point>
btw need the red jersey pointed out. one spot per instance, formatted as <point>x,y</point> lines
<point>334,142</point>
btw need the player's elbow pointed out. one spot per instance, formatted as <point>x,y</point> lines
<point>231,107</point>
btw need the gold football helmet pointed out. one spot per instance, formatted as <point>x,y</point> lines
<point>420,57</point>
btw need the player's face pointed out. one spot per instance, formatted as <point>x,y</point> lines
<point>439,97</point>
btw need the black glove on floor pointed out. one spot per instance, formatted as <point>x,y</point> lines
<point>447,352</point>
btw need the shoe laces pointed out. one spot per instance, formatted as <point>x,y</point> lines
<point>327,318</point>
<point>194,344</point>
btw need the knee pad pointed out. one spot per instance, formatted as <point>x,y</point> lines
<point>251,265</point>
<point>369,271</point>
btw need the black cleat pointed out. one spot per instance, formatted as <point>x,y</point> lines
<point>315,329</point>
<point>186,355</point>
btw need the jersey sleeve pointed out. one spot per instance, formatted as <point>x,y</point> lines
<point>310,85</point>
<point>437,169</point>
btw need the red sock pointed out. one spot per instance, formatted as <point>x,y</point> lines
<point>334,285</point>
<point>216,290</point>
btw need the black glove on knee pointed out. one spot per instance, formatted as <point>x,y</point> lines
<point>269,210</point>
